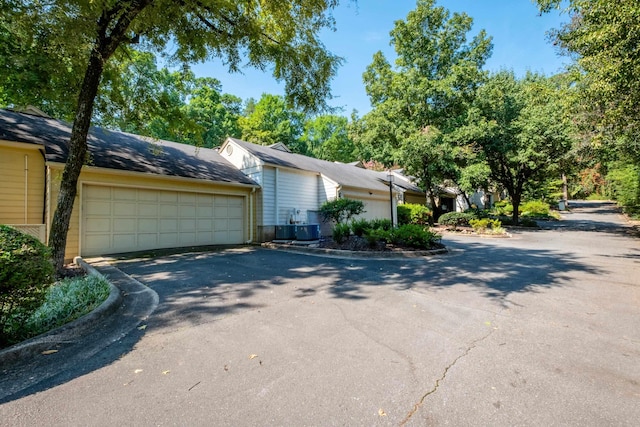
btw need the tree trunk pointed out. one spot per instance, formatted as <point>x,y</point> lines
<point>565,190</point>
<point>75,160</point>
<point>516,198</point>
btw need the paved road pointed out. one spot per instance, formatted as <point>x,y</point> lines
<point>539,329</point>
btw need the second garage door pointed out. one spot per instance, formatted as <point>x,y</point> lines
<point>117,219</point>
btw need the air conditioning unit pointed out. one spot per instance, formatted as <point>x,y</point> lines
<point>307,232</point>
<point>285,232</point>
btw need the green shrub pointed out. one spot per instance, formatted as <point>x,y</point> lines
<point>360,226</point>
<point>382,224</point>
<point>503,207</point>
<point>415,236</point>
<point>624,186</point>
<point>481,225</point>
<point>341,232</point>
<point>66,301</point>
<point>375,235</point>
<point>404,214</point>
<point>535,208</point>
<point>455,219</point>
<point>25,273</point>
<point>340,210</point>
<point>411,213</point>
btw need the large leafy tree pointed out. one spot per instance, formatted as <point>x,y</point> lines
<point>603,37</point>
<point>271,121</point>
<point>521,129</point>
<point>327,137</point>
<point>87,34</point>
<point>421,100</point>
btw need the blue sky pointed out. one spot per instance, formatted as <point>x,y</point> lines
<point>519,44</point>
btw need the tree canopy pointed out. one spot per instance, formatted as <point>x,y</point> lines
<point>84,36</point>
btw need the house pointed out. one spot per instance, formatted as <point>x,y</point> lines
<point>134,193</point>
<point>293,186</point>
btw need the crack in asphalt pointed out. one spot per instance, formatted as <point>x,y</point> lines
<point>444,375</point>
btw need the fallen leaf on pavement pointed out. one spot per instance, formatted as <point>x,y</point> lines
<point>46,352</point>
<point>382,413</point>
<point>137,371</point>
<point>253,356</point>
<point>165,372</point>
<point>142,327</point>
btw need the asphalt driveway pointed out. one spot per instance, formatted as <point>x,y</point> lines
<point>539,329</point>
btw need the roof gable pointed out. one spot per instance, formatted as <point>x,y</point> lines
<point>122,151</point>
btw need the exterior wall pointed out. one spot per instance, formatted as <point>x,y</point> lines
<point>415,199</point>
<point>135,180</point>
<point>327,190</point>
<point>297,193</point>
<point>268,196</point>
<point>22,175</point>
<point>376,205</point>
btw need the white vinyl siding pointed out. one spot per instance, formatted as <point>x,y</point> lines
<point>268,196</point>
<point>327,190</point>
<point>297,191</point>
<point>120,219</point>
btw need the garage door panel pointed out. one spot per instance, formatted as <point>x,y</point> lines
<point>147,209</point>
<point>97,225</point>
<point>124,225</point>
<point>167,225</point>
<point>125,241</point>
<point>128,219</point>
<point>146,225</point>
<point>99,207</point>
<point>187,224</point>
<point>128,194</point>
<point>186,211</point>
<point>123,209</point>
<point>168,211</point>
<point>166,240</point>
<point>186,239</point>
<point>148,195</point>
<point>148,240</point>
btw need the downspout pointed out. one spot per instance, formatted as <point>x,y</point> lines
<point>26,187</point>
<point>46,188</point>
<point>276,203</point>
<point>251,219</point>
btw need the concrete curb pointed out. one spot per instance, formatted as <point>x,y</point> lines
<point>337,253</point>
<point>72,329</point>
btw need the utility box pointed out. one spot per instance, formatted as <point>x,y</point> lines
<point>285,232</point>
<point>307,232</point>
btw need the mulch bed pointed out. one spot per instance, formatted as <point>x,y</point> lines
<point>360,244</point>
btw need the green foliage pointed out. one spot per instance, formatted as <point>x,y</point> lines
<point>419,101</point>
<point>412,213</point>
<point>360,226</point>
<point>484,225</point>
<point>522,129</point>
<point>376,235</point>
<point>603,36</point>
<point>381,224</point>
<point>535,208</point>
<point>25,272</point>
<point>414,236</point>
<point>66,301</point>
<point>326,137</point>
<point>341,232</point>
<point>339,210</point>
<point>624,186</point>
<point>272,121</point>
<point>456,219</point>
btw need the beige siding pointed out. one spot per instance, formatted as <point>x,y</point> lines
<point>15,173</point>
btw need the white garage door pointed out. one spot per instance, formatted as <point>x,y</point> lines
<point>119,219</point>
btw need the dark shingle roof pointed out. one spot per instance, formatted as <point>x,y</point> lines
<point>341,173</point>
<point>120,150</point>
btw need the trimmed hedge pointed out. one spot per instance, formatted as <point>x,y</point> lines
<point>26,272</point>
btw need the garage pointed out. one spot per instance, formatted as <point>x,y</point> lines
<point>121,219</point>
